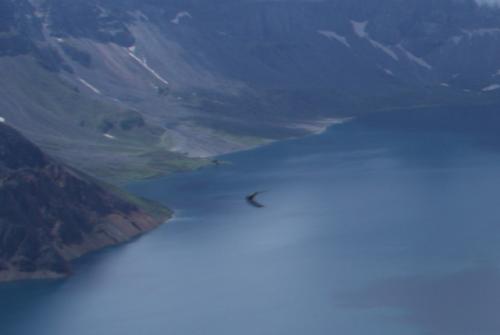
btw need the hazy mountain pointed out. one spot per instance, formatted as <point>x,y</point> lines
<point>138,85</point>
<point>51,214</point>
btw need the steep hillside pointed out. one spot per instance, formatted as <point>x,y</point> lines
<point>51,214</point>
<point>152,85</point>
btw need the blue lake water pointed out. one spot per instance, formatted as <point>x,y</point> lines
<point>387,225</point>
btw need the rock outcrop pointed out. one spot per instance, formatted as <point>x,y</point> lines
<point>51,214</point>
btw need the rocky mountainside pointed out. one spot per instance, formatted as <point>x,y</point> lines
<point>51,214</point>
<point>149,85</point>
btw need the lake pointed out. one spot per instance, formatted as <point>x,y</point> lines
<point>386,225</point>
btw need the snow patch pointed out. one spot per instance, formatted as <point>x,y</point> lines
<point>132,49</point>
<point>471,33</point>
<point>456,39</point>
<point>333,35</point>
<point>2,120</point>
<point>39,14</point>
<point>481,32</point>
<point>144,64</point>
<point>384,48</point>
<point>490,3</point>
<point>91,87</point>
<point>108,136</point>
<point>359,29</point>
<point>490,88</point>
<point>496,74</point>
<point>103,13</point>
<point>138,15</point>
<point>445,84</point>
<point>415,59</point>
<point>181,15</point>
<point>318,127</point>
<point>389,72</point>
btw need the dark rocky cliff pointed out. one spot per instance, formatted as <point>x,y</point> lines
<point>51,214</point>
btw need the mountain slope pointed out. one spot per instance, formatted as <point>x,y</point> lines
<point>51,214</point>
<point>152,85</point>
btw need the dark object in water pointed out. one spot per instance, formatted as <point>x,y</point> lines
<point>251,200</point>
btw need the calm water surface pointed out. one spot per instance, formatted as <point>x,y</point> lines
<point>388,225</point>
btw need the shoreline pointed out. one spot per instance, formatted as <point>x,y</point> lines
<point>320,126</point>
<point>125,232</point>
<point>154,217</point>
<point>311,128</point>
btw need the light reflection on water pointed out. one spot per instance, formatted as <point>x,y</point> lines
<point>376,227</point>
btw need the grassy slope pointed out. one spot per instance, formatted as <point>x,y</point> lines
<point>69,125</point>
